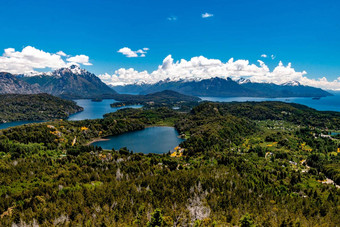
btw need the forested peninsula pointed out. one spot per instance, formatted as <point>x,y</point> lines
<point>35,107</point>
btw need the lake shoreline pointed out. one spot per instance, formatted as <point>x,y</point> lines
<point>98,139</point>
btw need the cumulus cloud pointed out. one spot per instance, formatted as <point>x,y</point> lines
<point>133,54</point>
<point>206,15</point>
<point>199,68</point>
<point>264,56</point>
<point>79,59</point>
<point>30,59</point>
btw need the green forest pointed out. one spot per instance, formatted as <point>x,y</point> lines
<point>242,164</point>
<point>15,107</point>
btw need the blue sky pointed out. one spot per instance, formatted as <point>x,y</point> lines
<point>305,33</point>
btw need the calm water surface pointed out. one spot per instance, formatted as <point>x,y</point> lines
<point>95,110</point>
<point>92,110</point>
<point>16,123</point>
<point>331,103</point>
<point>156,140</point>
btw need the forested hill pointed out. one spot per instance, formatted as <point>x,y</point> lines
<point>14,107</point>
<point>291,112</point>
<point>163,98</point>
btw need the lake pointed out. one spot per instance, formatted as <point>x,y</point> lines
<point>157,140</point>
<point>331,103</point>
<point>95,110</point>
<point>16,123</point>
<point>92,110</point>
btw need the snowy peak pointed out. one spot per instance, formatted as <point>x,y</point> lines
<point>74,69</point>
<point>243,81</point>
<point>291,83</point>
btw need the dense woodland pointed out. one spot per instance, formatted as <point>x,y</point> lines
<point>14,107</point>
<point>245,164</point>
<point>166,98</point>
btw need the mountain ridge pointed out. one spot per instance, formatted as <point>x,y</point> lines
<point>228,88</point>
<point>10,84</point>
<point>71,82</point>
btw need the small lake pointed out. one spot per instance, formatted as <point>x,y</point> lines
<point>157,140</point>
<point>330,103</point>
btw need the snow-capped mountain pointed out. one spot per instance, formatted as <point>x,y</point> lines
<point>291,83</point>
<point>70,82</point>
<point>243,81</point>
<point>226,88</point>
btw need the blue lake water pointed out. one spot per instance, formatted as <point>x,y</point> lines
<point>92,110</point>
<point>330,103</point>
<point>95,110</point>
<point>16,123</point>
<point>155,140</point>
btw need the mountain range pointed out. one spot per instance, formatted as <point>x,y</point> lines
<point>227,88</point>
<point>74,82</point>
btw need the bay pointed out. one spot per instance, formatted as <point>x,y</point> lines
<point>92,110</point>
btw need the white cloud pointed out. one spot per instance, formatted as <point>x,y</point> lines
<point>133,54</point>
<point>272,56</point>
<point>30,59</point>
<point>199,68</point>
<point>61,53</point>
<point>264,56</point>
<point>206,15</point>
<point>172,18</point>
<point>79,59</point>
<point>127,52</point>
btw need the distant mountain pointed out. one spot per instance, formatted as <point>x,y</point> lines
<point>292,83</point>
<point>71,82</point>
<point>74,82</point>
<point>9,84</point>
<point>130,88</point>
<point>228,88</point>
<point>290,89</point>
<point>209,87</point>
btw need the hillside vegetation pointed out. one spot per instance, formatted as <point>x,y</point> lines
<point>14,107</point>
<point>242,164</point>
